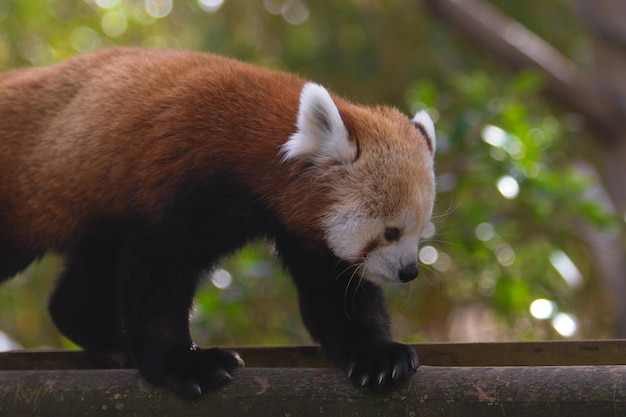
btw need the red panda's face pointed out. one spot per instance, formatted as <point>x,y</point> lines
<point>379,169</point>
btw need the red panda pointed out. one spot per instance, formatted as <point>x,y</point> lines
<point>146,167</point>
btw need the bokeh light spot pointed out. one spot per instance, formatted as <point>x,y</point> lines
<point>428,255</point>
<point>210,5</point>
<point>221,278</point>
<point>484,232</point>
<point>565,324</point>
<point>542,309</point>
<point>508,187</point>
<point>114,24</point>
<point>159,8</point>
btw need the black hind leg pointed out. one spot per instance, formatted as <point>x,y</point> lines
<point>84,303</point>
<point>12,262</point>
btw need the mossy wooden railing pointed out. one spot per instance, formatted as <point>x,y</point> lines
<point>586,378</point>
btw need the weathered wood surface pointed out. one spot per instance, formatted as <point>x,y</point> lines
<point>434,391</point>
<point>586,352</point>
<point>475,379</point>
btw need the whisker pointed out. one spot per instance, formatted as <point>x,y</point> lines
<point>443,242</point>
<point>451,208</point>
<point>345,293</point>
<point>408,297</point>
<point>344,270</point>
<point>433,272</point>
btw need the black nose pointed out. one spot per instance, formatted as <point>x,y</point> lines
<point>408,273</point>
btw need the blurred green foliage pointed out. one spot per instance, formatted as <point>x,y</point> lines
<point>510,189</point>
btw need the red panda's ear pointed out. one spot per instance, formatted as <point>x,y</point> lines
<point>425,125</point>
<point>321,137</point>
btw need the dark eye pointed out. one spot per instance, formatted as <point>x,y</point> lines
<point>392,234</point>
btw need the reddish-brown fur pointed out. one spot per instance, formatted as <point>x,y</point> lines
<point>181,155</point>
<point>118,131</point>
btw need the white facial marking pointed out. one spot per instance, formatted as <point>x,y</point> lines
<point>385,261</point>
<point>383,264</point>
<point>350,233</point>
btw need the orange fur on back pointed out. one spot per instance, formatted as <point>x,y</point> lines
<point>119,130</point>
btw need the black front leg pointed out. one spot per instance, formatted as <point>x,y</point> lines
<point>348,317</point>
<point>158,275</point>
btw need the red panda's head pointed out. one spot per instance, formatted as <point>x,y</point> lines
<point>377,166</point>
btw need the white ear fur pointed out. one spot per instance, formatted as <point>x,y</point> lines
<point>321,136</point>
<point>425,124</point>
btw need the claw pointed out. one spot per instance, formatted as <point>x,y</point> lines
<point>394,374</point>
<point>239,360</point>
<point>381,378</point>
<point>188,389</point>
<point>414,363</point>
<point>351,370</point>
<point>365,380</point>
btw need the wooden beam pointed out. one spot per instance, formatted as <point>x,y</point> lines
<point>471,379</point>
<point>560,353</point>
<point>434,391</point>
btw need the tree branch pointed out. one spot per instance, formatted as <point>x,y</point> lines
<point>609,25</point>
<point>522,49</point>
<point>471,379</point>
<point>477,391</point>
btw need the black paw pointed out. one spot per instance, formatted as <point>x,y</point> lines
<point>192,372</point>
<point>382,365</point>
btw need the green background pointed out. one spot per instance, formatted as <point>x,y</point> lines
<point>488,257</point>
